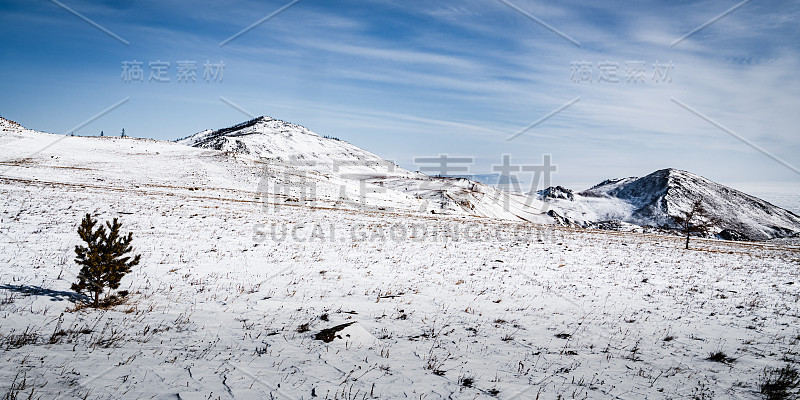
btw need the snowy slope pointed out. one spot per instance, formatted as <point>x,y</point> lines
<point>10,126</point>
<point>300,169</point>
<point>270,139</point>
<point>649,201</point>
<point>229,298</point>
<point>273,162</point>
<point>318,166</point>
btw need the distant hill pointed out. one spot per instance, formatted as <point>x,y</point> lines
<point>280,162</point>
<point>658,197</point>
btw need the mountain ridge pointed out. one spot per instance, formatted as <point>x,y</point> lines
<point>661,196</point>
<point>290,163</point>
<point>655,200</point>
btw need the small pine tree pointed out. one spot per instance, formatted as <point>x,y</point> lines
<point>104,258</point>
<point>101,133</point>
<point>123,132</point>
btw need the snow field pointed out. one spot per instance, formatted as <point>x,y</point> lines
<point>217,311</point>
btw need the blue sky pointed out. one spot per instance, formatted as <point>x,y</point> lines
<point>405,79</point>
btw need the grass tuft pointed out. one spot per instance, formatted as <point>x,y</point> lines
<point>720,357</point>
<point>780,383</point>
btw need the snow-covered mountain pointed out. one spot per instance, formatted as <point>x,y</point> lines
<point>624,203</point>
<point>331,166</point>
<point>271,139</point>
<point>656,199</point>
<point>275,162</point>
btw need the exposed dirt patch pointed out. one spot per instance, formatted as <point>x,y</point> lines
<point>327,335</point>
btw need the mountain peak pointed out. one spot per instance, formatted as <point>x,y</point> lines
<point>673,172</point>
<point>263,125</point>
<point>275,140</point>
<point>668,170</point>
<point>664,194</point>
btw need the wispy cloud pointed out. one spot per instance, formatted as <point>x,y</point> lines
<point>463,74</point>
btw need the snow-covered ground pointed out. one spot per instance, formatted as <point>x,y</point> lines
<point>231,293</point>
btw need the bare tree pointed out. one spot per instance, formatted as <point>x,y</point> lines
<point>695,220</point>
